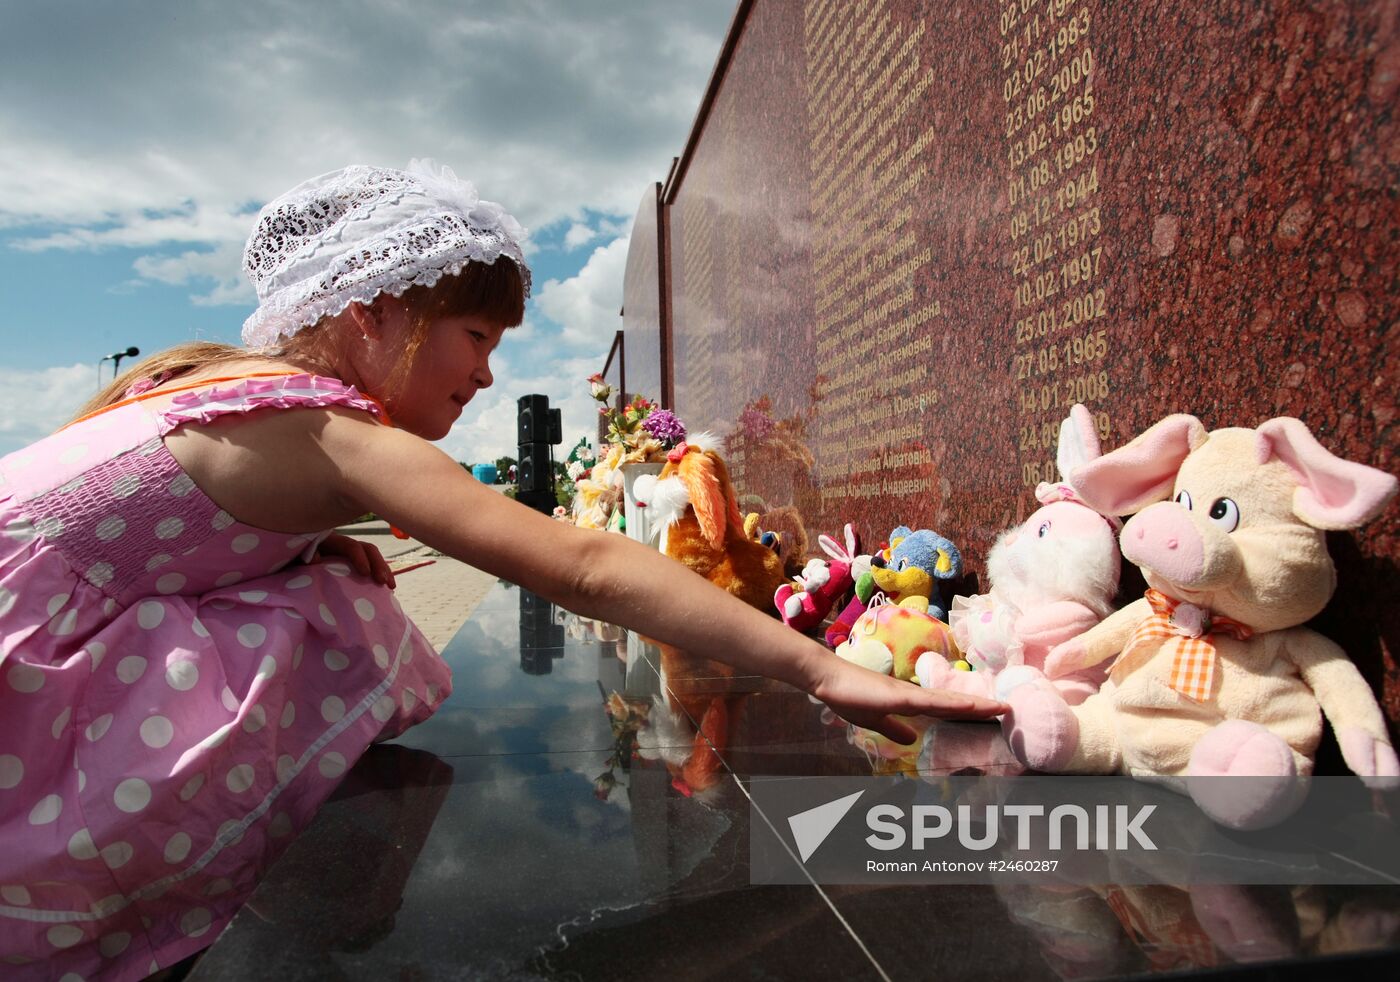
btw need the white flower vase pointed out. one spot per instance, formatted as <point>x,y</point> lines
<point>638,518</point>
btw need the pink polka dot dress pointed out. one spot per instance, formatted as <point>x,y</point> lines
<point>178,691</point>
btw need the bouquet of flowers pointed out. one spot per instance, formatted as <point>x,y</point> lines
<point>638,432</point>
<point>640,428</point>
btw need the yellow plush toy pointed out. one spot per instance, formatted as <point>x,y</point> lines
<point>889,639</point>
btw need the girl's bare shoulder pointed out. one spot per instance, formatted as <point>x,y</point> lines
<point>273,468</point>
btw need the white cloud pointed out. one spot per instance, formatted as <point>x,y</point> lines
<point>226,291</point>
<point>172,126</point>
<point>199,267</point>
<point>163,133</point>
<point>35,403</point>
<point>581,233</point>
<point>201,224</point>
<point>586,306</point>
<point>610,229</point>
<point>578,234</point>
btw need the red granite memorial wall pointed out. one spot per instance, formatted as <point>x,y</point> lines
<point>641,301</point>
<point>905,237</point>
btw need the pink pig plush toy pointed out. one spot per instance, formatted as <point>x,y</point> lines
<point>1212,673</point>
<point>1052,579</point>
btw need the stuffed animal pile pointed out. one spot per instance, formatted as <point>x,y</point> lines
<point>1209,675</point>
<point>1212,673</point>
<point>905,572</point>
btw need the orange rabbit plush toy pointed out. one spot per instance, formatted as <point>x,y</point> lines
<point>697,511</point>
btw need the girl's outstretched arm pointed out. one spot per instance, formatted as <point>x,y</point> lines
<point>339,463</point>
<point>611,578</point>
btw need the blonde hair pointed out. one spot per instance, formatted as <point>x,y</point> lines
<point>495,291</point>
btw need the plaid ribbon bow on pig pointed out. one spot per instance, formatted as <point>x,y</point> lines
<point>1191,644</point>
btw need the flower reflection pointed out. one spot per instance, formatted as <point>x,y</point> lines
<point>625,717</point>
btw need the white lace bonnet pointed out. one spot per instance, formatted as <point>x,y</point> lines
<point>347,236</point>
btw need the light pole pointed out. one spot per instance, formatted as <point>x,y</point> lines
<point>116,359</point>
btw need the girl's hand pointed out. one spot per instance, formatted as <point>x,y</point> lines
<point>869,699</point>
<point>365,558</point>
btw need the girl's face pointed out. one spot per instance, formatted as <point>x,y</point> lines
<point>447,371</point>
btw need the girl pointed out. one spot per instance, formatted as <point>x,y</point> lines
<point>178,694</point>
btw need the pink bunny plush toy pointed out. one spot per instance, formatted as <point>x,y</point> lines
<point>805,603</point>
<point>1052,579</point>
<point>1212,673</point>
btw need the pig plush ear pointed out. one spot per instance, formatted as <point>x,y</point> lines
<point>1332,493</point>
<point>1135,475</point>
<point>1079,443</point>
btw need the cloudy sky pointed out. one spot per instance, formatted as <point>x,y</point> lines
<point>141,137</point>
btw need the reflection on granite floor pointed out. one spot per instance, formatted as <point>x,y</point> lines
<point>578,809</point>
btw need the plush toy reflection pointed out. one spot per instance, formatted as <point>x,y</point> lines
<point>695,507</point>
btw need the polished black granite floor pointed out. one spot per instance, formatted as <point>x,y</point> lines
<point>557,819</point>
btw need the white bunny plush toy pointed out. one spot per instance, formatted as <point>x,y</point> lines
<point>1052,578</point>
